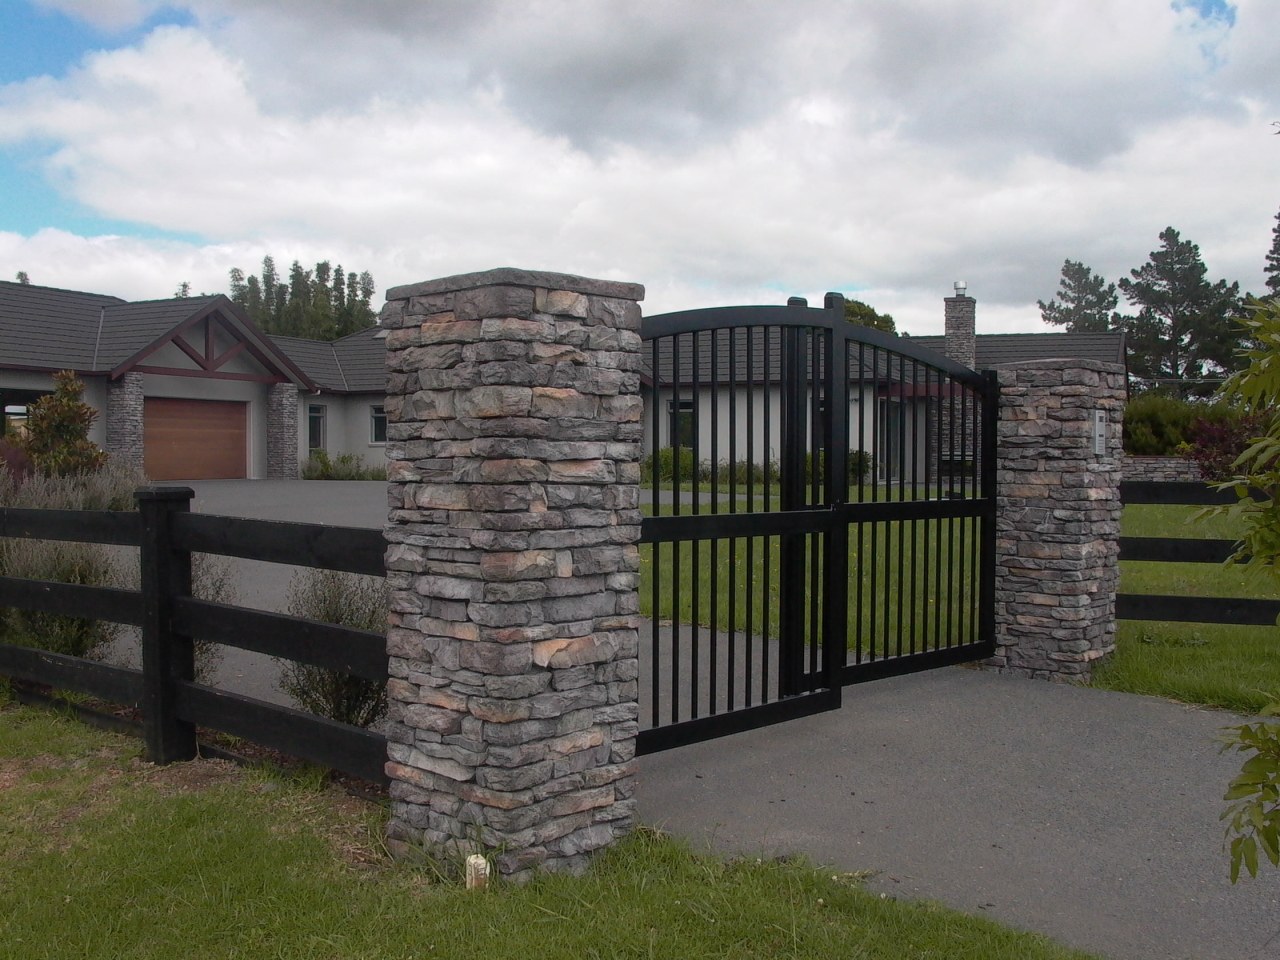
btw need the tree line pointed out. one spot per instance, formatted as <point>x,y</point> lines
<point>323,303</point>
<point>1183,333</point>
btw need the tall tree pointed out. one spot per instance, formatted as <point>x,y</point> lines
<point>1184,330</point>
<point>1085,303</point>
<point>183,291</point>
<point>321,304</point>
<point>22,277</point>
<point>1272,269</point>
<point>865,315</point>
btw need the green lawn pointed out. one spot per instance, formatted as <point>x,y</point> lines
<point>901,589</point>
<point>1237,668</point>
<point>103,856</point>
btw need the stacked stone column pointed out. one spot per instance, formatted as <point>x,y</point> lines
<point>514,424</point>
<point>1058,517</point>
<point>282,432</point>
<point>124,420</point>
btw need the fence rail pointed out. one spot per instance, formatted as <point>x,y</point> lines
<point>1182,609</point>
<point>172,704</point>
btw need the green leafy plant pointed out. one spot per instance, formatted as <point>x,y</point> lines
<point>1253,817</point>
<point>1156,424</point>
<point>348,600</point>
<point>57,432</point>
<point>1253,814</point>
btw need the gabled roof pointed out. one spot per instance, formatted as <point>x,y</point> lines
<point>355,363</point>
<point>997,349</point>
<point>43,328</point>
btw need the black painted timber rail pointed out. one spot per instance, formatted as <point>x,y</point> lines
<point>170,619</point>
<point>1239,611</point>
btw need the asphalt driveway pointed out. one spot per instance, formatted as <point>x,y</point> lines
<point>1086,815</point>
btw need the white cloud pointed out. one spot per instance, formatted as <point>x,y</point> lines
<point>106,14</point>
<point>715,152</point>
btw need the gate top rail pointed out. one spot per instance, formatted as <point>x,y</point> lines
<point>830,318</point>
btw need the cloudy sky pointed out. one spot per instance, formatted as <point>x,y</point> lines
<point>717,151</point>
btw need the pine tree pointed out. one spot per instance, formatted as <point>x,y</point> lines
<point>1085,303</point>
<point>865,315</point>
<point>22,277</point>
<point>1272,269</point>
<point>1185,329</point>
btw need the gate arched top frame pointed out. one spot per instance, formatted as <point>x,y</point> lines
<point>830,318</point>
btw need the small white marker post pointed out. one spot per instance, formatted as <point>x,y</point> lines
<point>477,872</point>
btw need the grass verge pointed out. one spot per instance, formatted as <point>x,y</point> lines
<point>1233,667</point>
<point>103,856</point>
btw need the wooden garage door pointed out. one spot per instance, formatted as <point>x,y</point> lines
<point>195,439</point>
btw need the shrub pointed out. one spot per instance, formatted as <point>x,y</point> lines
<point>90,564</point>
<point>14,461</point>
<point>61,562</point>
<point>666,461</point>
<point>859,465</point>
<point>1220,436</point>
<point>1156,424</point>
<point>57,431</point>
<point>346,466</point>
<point>352,601</point>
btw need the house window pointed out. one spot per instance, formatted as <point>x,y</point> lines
<point>315,426</point>
<point>684,428</point>
<point>377,424</point>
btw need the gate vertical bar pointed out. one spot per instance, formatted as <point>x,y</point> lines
<point>835,567</point>
<point>791,573</point>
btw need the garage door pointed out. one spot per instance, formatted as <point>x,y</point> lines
<point>195,439</point>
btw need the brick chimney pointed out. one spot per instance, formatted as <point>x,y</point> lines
<point>960,341</point>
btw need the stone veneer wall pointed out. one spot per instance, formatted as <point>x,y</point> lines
<point>1160,469</point>
<point>513,414</point>
<point>961,340</point>
<point>124,420</point>
<point>282,432</point>
<point>1057,517</point>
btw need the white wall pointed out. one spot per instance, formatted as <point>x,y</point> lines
<point>347,425</point>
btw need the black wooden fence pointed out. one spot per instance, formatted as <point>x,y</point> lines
<point>1183,609</point>
<point>170,618</point>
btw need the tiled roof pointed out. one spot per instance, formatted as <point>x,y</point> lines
<point>44,328</point>
<point>997,349</point>
<point>354,364</point>
<point>131,327</point>
<point>29,339</point>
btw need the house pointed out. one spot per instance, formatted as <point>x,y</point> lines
<point>720,395</point>
<point>189,388</point>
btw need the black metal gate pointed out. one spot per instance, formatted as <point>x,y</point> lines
<point>820,510</point>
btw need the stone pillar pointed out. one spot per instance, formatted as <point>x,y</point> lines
<point>513,439</point>
<point>282,432</point>
<point>124,420</point>
<point>1057,516</point>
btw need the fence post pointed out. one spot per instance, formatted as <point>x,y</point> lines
<point>513,429</point>
<point>167,657</point>
<point>1057,516</point>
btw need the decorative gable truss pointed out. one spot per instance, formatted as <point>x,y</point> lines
<point>211,344</point>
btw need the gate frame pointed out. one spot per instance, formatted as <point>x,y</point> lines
<point>801,693</point>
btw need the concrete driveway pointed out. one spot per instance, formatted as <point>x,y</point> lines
<point>1086,815</point>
